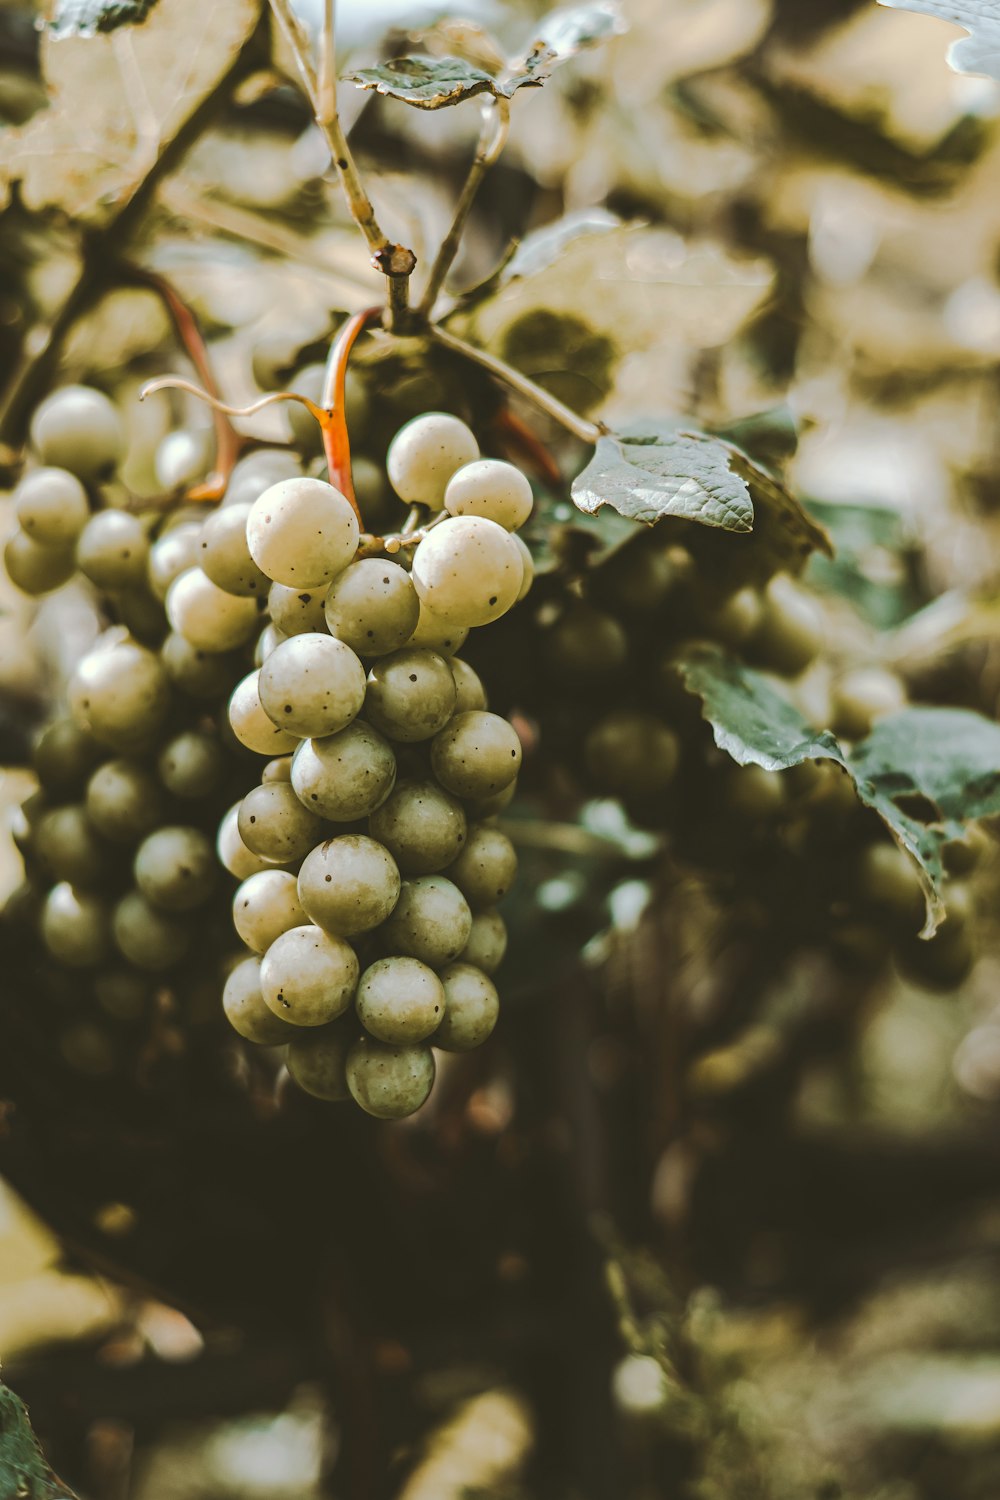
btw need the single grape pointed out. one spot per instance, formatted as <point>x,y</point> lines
<point>52,507</point>
<point>389,1082</point>
<point>245,1010</point>
<point>224,556</point>
<point>312,685</point>
<point>790,634</point>
<point>411,695</point>
<point>736,620</point>
<point>183,457</point>
<point>431,921</point>
<point>434,634</point>
<point>467,570</point>
<point>755,794</point>
<point>528,565</point>
<point>295,611</point>
<point>274,823</point>
<point>481,808</point>
<point>372,607</point>
<point>302,532</point>
<point>119,692</point>
<point>476,755</point>
<point>861,697</point>
<point>471,1008</point>
<point>469,690</point>
<point>349,885</point>
<point>421,825</point>
<point>635,581</point>
<point>124,801</point>
<point>487,942</point>
<point>887,879</point>
<point>200,674</point>
<point>486,868</point>
<point>206,615</point>
<point>631,754</point>
<point>79,429</point>
<point>233,854</point>
<point>145,936</point>
<point>265,906</point>
<point>113,550</point>
<point>490,488</point>
<point>317,1060</point>
<point>308,977</point>
<point>175,868</point>
<point>257,471</point>
<point>251,725</point>
<point>75,927</point>
<point>68,846</point>
<point>279,769</point>
<point>344,776</point>
<point>192,765</point>
<point>64,757</point>
<point>425,454</point>
<point>171,555</point>
<point>34,568</point>
<point>585,643</point>
<point>399,1000</point>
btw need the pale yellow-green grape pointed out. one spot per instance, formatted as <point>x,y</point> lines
<point>34,568</point>
<point>120,692</point>
<point>192,765</point>
<point>736,620</point>
<point>527,563</point>
<point>233,854</point>
<point>245,1010</point>
<point>476,755</point>
<point>76,928</point>
<point>250,723</point>
<point>425,454</point>
<point>372,607</point>
<point>269,637</point>
<point>411,695</point>
<point>171,555</point>
<point>344,776</point>
<point>861,697</point>
<point>434,634</point>
<point>421,825</point>
<point>175,868</point>
<point>631,754</point>
<point>490,488</point>
<point>273,822</point>
<point>52,507</point>
<point>200,674</point>
<point>257,471</point>
<point>147,937</point>
<point>308,976</point>
<point>69,847</point>
<point>206,615</point>
<point>389,1082</point>
<point>317,1060</point>
<point>294,611</point>
<point>471,1008</point>
<point>468,571</point>
<point>64,757</point>
<point>279,769</point>
<point>754,793</point>
<point>265,906</point>
<point>887,879</point>
<point>486,868</point>
<point>349,884</point>
<point>790,634</point>
<point>469,689</point>
<point>124,801</point>
<point>224,556</point>
<point>302,532</point>
<point>488,807</point>
<point>487,942</point>
<point>183,457</point>
<point>431,921</point>
<point>312,685</point>
<point>399,1000</point>
<point>79,429</point>
<point>112,550</point>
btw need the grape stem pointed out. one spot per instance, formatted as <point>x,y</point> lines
<point>333,418</point>
<point>493,138</point>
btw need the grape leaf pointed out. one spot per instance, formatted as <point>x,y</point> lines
<point>979,52</point>
<point>436,82</point>
<point>926,772</point>
<point>657,469</point>
<point>90,17</point>
<point>571,29</point>
<point>23,1469</point>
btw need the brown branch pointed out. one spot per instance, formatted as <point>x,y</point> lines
<point>333,417</point>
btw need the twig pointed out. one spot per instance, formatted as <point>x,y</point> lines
<point>493,138</point>
<point>587,432</point>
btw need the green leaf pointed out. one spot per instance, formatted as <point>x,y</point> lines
<point>658,470</point>
<point>425,82</point>
<point>872,566</point>
<point>544,246</point>
<point>91,17</point>
<point>571,29</point>
<point>769,437</point>
<point>23,1469</point>
<point>979,52</point>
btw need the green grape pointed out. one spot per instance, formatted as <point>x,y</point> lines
<point>790,634</point>
<point>468,571</point>
<point>145,936</point>
<point>312,685</point>
<point>122,994</point>
<point>79,429</point>
<point>75,927</point>
<point>308,977</point>
<point>206,615</point>
<point>251,725</point>
<point>302,532</point>
<point>399,1000</point>
<point>887,878</point>
<point>471,1009</point>
<point>635,581</point>
<point>389,1082</point>
<point>425,454</point>
<point>422,827</point>
<point>411,695</point>
<point>119,692</point>
<point>527,566</point>
<point>34,568</point>
<point>862,697</point>
<point>245,1010</point>
<point>631,754</point>
<point>224,556</point>
<point>486,868</point>
<point>372,607</point>
<point>469,690</point>
<point>52,507</point>
<point>482,808</point>
<point>69,847</point>
<point>274,823</point>
<point>64,756</point>
<point>269,637</point>
<point>349,885</point>
<point>736,620</point>
<point>476,755</point>
<point>175,869</point>
<point>317,1060</point>
<point>433,634</point>
<point>345,776</point>
<point>200,674</point>
<point>754,793</point>
<point>265,906</point>
<point>376,500</point>
<point>124,801</point>
<point>233,854</point>
<point>172,554</point>
<point>431,921</point>
<point>183,457</point>
<point>585,643</point>
<point>140,612</point>
<point>192,765</point>
<point>487,942</point>
<point>295,611</point>
<point>113,550</point>
<point>257,471</point>
<point>279,769</point>
<point>492,489</point>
